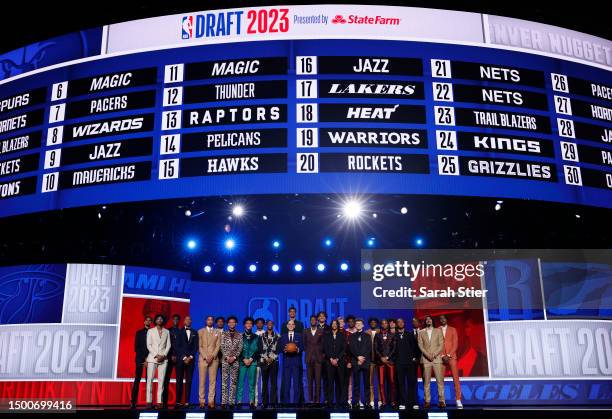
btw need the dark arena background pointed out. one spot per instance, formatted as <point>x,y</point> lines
<point>233,159</point>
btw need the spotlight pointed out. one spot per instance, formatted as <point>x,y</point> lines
<point>419,242</point>
<point>371,242</point>
<point>230,244</point>
<point>252,267</point>
<point>320,267</point>
<point>374,215</point>
<point>404,210</point>
<point>230,268</point>
<point>298,267</point>
<point>187,213</point>
<point>327,242</point>
<point>238,211</point>
<point>344,266</point>
<point>497,207</point>
<point>207,269</point>
<point>275,268</point>
<point>276,244</point>
<point>352,209</point>
<point>192,244</point>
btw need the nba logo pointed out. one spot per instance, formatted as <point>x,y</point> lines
<point>267,308</point>
<point>187,27</point>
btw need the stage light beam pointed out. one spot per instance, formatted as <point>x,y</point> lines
<point>352,209</point>
<point>230,268</point>
<point>252,267</point>
<point>230,244</point>
<point>344,266</point>
<point>238,211</point>
<point>191,244</point>
<point>298,267</point>
<point>320,267</point>
<point>275,267</point>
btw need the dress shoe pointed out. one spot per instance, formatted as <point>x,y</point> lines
<point>223,406</point>
<point>149,406</point>
<point>211,405</point>
<point>441,405</point>
<point>177,406</point>
<point>459,404</point>
<point>132,405</point>
<point>426,405</point>
<point>202,405</point>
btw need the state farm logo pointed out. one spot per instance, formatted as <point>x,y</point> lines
<point>366,20</point>
<point>338,19</point>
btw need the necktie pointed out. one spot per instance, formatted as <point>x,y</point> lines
<point>290,337</point>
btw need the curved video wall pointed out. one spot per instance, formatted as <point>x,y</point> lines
<point>310,99</point>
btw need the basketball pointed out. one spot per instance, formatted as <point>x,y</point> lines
<point>291,348</point>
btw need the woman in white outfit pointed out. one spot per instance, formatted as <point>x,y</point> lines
<point>158,344</point>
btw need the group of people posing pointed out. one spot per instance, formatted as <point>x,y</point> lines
<point>343,361</point>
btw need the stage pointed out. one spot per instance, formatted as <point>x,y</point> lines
<point>478,412</point>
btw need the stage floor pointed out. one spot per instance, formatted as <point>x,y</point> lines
<point>478,412</point>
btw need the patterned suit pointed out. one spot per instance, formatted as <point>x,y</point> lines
<point>231,345</point>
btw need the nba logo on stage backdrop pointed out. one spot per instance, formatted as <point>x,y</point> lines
<point>267,308</point>
<point>187,27</point>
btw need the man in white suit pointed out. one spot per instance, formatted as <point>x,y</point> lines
<point>158,344</point>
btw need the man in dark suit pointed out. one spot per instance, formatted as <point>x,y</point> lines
<point>141,350</point>
<point>171,356</point>
<point>360,347</point>
<point>187,347</point>
<point>334,346</point>
<point>322,322</point>
<point>292,363</point>
<point>407,357</point>
<point>313,346</point>
<point>299,326</point>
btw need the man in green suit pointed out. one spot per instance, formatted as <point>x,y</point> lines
<point>248,362</point>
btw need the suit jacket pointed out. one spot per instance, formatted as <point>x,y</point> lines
<point>335,348</point>
<point>374,357</point>
<point>250,348</point>
<point>451,341</point>
<point>313,345</point>
<point>173,334</point>
<point>407,348</point>
<point>325,328</point>
<point>299,327</point>
<point>140,345</point>
<point>433,347</point>
<point>268,348</point>
<point>186,347</point>
<point>157,345</point>
<point>231,346</point>
<point>291,359</point>
<point>360,344</point>
<point>385,346</point>
<point>209,343</point>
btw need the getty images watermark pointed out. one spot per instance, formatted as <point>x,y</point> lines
<point>398,278</point>
<point>503,280</point>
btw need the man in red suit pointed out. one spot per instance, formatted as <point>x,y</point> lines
<point>449,355</point>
